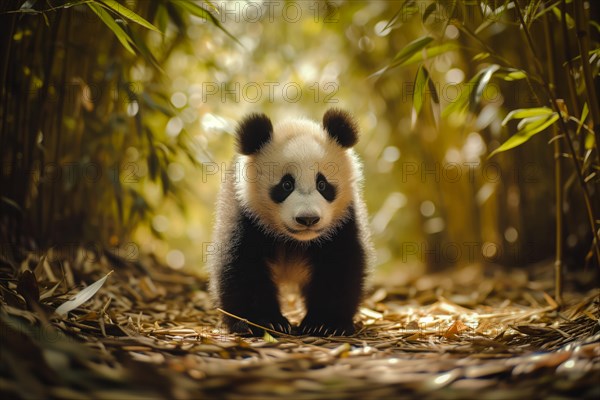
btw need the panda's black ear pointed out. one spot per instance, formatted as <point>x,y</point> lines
<point>340,125</point>
<point>253,132</point>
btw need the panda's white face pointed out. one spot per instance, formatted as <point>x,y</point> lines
<point>301,182</point>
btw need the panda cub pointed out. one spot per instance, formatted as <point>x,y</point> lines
<point>292,213</point>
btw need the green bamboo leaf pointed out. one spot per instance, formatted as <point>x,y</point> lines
<point>424,85</point>
<point>428,53</point>
<point>267,337</point>
<point>459,104</point>
<point>480,84</point>
<point>494,17</point>
<point>568,18</point>
<point>511,74</point>
<point>420,56</point>
<point>129,14</point>
<point>212,6</point>
<point>527,130</point>
<point>411,49</point>
<point>404,10</point>
<point>11,203</point>
<point>419,88</point>
<point>162,18</point>
<point>113,26</point>
<point>527,113</point>
<point>82,296</point>
<point>584,114</point>
<point>481,56</point>
<point>200,12</point>
<point>433,7</point>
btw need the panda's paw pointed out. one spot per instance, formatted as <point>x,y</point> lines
<point>330,328</point>
<point>276,323</point>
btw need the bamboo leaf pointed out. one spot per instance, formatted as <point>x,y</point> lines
<point>418,57</point>
<point>494,17</point>
<point>402,12</point>
<point>129,14</point>
<point>428,11</point>
<point>411,49</point>
<point>428,53</point>
<point>511,74</point>
<point>267,337</point>
<point>113,26</point>
<point>162,18</point>
<point>210,5</point>
<point>11,203</point>
<point>82,296</point>
<point>424,85</point>
<point>480,84</point>
<point>526,113</point>
<point>481,56</point>
<point>584,114</point>
<point>48,293</point>
<point>27,6</point>
<point>419,88</point>
<point>568,18</point>
<point>460,103</point>
<point>527,130</point>
<point>206,15</point>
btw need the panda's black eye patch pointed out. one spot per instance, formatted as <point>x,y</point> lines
<point>283,189</point>
<point>326,189</point>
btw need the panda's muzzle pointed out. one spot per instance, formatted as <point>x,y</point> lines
<point>307,220</point>
<point>305,223</point>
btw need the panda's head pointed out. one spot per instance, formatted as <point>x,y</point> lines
<point>297,178</point>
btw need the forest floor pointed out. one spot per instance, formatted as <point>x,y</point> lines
<point>149,332</point>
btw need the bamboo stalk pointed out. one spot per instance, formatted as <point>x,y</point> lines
<point>569,64</point>
<point>55,190</point>
<point>4,95</point>
<point>583,38</point>
<point>558,190</point>
<point>565,130</point>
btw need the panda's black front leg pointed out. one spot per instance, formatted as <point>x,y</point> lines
<point>335,289</point>
<point>246,289</point>
<point>253,297</point>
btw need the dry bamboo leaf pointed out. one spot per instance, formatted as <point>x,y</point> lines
<point>82,296</point>
<point>370,313</point>
<point>457,327</point>
<point>442,380</point>
<point>341,351</point>
<point>550,300</point>
<point>148,288</point>
<point>481,370</point>
<point>50,292</point>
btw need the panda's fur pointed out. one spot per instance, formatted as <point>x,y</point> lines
<point>292,212</point>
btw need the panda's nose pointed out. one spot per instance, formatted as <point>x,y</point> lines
<point>307,220</point>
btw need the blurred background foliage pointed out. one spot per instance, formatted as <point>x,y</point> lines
<point>117,120</point>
